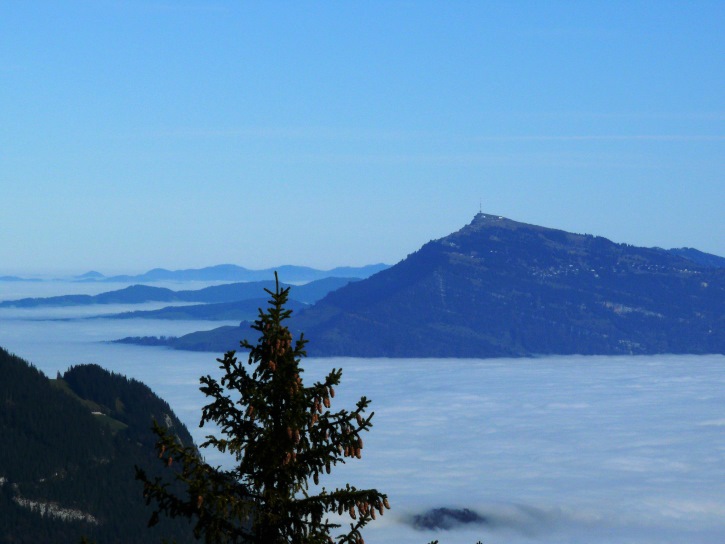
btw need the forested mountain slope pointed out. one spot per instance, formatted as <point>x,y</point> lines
<point>502,288</point>
<point>68,455</point>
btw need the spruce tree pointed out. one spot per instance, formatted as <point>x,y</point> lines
<point>282,436</point>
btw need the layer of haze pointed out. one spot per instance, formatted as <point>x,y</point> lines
<point>182,133</point>
<point>552,450</point>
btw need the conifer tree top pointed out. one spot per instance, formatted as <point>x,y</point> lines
<point>284,438</point>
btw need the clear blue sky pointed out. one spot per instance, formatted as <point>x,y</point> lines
<point>186,133</point>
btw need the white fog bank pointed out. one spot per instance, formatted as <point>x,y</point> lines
<point>556,450</point>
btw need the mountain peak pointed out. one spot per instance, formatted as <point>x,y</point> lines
<point>498,287</point>
<point>483,221</point>
<point>486,219</point>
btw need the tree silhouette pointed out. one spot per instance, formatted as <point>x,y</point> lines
<point>282,436</point>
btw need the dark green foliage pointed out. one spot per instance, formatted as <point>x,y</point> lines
<point>126,400</point>
<point>283,439</point>
<point>55,451</point>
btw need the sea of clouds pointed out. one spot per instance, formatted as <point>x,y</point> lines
<point>552,450</point>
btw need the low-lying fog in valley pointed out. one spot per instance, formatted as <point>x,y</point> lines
<point>553,450</point>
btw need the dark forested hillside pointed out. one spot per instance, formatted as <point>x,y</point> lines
<point>68,452</point>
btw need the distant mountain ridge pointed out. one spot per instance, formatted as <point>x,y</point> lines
<point>247,309</point>
<point>231,272</point>
<point>500,288</point>
<point>221,272</point>
<point>17,278</point>
<point>215,294</point>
